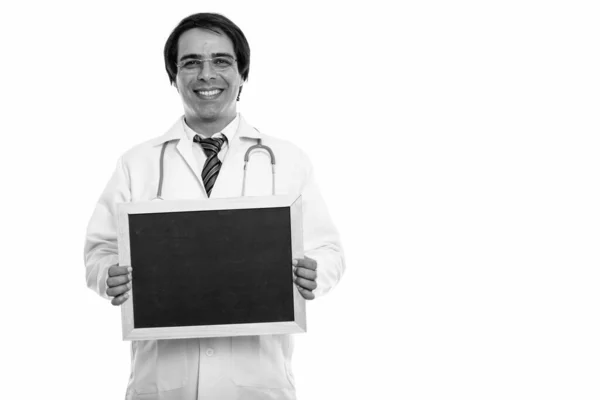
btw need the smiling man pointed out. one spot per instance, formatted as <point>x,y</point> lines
<point>207,59</point>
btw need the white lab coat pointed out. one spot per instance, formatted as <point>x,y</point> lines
<point>249,367</point>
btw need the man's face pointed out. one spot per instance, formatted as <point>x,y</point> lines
<point>208,93</point>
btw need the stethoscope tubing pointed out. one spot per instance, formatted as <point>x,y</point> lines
<point>257,146</point>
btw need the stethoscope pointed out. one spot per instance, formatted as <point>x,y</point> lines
<point>257,146</point>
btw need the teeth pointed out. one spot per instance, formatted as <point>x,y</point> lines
<point>209,92</point>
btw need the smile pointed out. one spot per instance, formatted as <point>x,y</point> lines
<point>208,94</point>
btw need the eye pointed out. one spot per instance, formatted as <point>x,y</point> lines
<point>191,63</point>
<point>223,61</point>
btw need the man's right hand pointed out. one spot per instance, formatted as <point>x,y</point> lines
<point>118,284</point>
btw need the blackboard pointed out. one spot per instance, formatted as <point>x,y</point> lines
<point>217,267</point>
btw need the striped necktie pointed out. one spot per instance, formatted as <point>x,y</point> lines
<point>212,165</point>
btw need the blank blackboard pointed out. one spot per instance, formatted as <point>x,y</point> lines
<point>211,267</point>
<point>217,267</point>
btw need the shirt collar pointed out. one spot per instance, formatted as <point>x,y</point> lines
<point>241,129</point>
<point>228,132</point>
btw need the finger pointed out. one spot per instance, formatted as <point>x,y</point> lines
<point>118,290</point>
<point>307,294</point>
<point>306,284</point>
<point>116,270</point>
<point>305,262</point>
<point>306,273</point>
<point>117,301</point>
<point>118,280</point>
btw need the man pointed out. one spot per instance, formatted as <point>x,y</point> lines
<point>207,59</point>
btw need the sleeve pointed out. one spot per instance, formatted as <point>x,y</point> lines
<point>321,238</point>
<point>100,250</point>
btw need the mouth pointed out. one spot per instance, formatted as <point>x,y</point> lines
<point>208,94</point>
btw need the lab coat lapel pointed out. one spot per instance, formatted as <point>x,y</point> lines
<point>184,147</point>
<point>185,150</point>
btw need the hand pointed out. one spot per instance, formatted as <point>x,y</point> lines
<point>119,283</point>
<point>305,270</point>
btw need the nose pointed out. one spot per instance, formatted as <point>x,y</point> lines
<point>206,71</point>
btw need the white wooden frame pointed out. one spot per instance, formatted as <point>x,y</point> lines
<point>169,206</point>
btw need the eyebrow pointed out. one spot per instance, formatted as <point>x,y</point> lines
<point>199,57</point>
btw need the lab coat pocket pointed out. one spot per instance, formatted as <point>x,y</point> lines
<point>262,361</point>
<point>159,365</point>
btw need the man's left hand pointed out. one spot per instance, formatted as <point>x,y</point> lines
<point>305,272</point>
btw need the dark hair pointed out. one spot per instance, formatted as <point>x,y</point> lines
<point>213,22</point>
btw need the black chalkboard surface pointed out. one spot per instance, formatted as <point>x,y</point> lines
<point>235,265</point>
<point>220,267</point>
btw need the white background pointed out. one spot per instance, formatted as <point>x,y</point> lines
<point>456,144</point>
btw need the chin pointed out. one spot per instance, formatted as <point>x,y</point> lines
<point>208,114</point>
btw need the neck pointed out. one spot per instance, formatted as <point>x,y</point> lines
<point>208,127</point>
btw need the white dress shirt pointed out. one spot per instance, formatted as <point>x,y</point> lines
<point>228,132</point>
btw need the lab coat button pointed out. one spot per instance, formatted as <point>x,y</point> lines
<point>210,352</point>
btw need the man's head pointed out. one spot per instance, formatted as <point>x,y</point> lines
<point>207,58</point>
